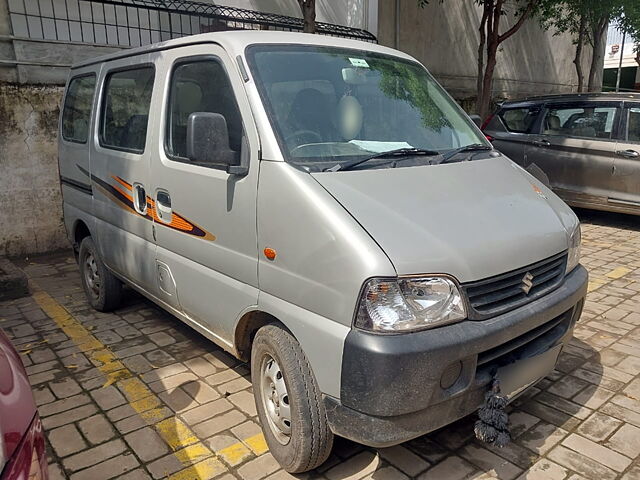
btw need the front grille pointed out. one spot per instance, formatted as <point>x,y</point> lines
<point>499,294</point>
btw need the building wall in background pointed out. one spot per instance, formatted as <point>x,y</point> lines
<point>444,36</point>
<point>31,215</point>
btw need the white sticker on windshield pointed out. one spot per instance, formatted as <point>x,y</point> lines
<point>359,62</point>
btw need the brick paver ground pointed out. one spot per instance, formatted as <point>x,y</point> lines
<point>135,394</point>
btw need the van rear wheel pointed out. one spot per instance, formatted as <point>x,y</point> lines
<point>289,402</point>
<point>102,288</point>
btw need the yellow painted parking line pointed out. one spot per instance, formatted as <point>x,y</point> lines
<point>234,454</point>
<point>594,284</point>
<point>257,444</point>
<point>618,272</point>
<point>199,460</point>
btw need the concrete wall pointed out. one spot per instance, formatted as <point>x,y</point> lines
<point>444,36</point>
<point>30,213</point>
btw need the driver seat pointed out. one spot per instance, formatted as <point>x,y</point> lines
<point>311,111</point>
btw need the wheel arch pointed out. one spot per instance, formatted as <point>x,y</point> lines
<point>80,232</point>
<point>246,329</point>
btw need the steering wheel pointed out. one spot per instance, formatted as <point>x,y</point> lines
<point>302,133</point>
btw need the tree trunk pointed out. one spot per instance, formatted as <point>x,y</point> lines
<point>597,60</point>
<point>493,40</point>
<point>486,11</point>
<point>308,8</point>
<point>578,58</point>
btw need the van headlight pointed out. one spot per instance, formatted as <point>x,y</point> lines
<point>573,257</point>
<point>409,303</point>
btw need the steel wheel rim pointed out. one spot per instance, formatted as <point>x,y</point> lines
<point>91,275</point>
<point>275,399</point>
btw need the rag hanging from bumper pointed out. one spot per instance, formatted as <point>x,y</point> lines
<point>492,426</point>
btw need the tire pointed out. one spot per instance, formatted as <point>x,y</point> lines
<point>310,440</point>
<point>102,288</point>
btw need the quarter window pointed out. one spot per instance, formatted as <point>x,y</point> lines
<point>633,125</point>
<point>125,113</point>
<point>584,121</point>
<point>77,109</point>
<point>200,86</point>
<point>519,120</point>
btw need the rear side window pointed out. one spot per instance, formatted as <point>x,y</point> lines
<point>633,125</point>
<point>200,85</point>
<point>77,109</point>
<point>519,120</point>
<point>589,121</point>
<point>125,109</point>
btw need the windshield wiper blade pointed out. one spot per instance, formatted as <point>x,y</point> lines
<point>474,147</point>
<point>399,152</point>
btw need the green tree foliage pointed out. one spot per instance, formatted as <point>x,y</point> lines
<point>587,22</point>
<point>405,82</point>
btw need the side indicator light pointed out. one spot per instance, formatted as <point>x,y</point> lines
<point>270,253</point>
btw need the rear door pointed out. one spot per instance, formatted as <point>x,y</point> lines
<point>205,217</point>
<point>120,170</point>
<point>510,130</point>
<point>626,173</point>
<point>575,149</point>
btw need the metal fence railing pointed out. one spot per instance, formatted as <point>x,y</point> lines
<point>130,23</point>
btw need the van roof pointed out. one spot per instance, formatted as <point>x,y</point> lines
<point>236,41</point>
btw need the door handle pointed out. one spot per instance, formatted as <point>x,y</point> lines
<point>139,198</point>
<point>542,143</point>
<point>163,206</point>
<point>627,153</point>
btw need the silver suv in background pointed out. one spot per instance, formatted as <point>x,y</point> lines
<point>321,208</point>
<point>586,147</point>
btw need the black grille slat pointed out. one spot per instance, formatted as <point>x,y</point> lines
<point>539,280</point>
<point>505,292</point>
<point>496,297</point>
<point>546,268</point>
<point>477,291</point>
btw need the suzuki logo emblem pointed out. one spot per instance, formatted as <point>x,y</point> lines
<point>527,283</point>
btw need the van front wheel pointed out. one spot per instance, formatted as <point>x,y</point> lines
<point>289,402</point>
<point>102,288</point>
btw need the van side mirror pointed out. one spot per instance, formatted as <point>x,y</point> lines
<point>477,120</point>
<point>208,143</point>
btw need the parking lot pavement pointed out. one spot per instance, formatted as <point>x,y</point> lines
<point>135,394</point>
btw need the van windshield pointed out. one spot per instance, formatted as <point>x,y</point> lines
<point>330,106</point>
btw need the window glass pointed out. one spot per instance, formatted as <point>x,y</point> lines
<point>633,125</point>
<point>587,121</point>
<point>201,86</point>
<point>332,104</point>
<point>126,109</point>
<point>519,120</point>
<point>77,109</point>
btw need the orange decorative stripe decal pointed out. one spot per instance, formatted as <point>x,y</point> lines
<point>122,194</point>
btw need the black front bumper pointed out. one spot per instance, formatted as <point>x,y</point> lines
<point>397,387</point>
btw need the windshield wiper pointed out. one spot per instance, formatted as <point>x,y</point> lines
<point>399,152</point>
<point>474,147</point>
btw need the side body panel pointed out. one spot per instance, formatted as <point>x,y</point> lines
<point>215,271</point>
<point>125,236</point>
<point>323,257</point>
<point>578,168</point>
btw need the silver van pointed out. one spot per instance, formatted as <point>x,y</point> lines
<point>321,208</point>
